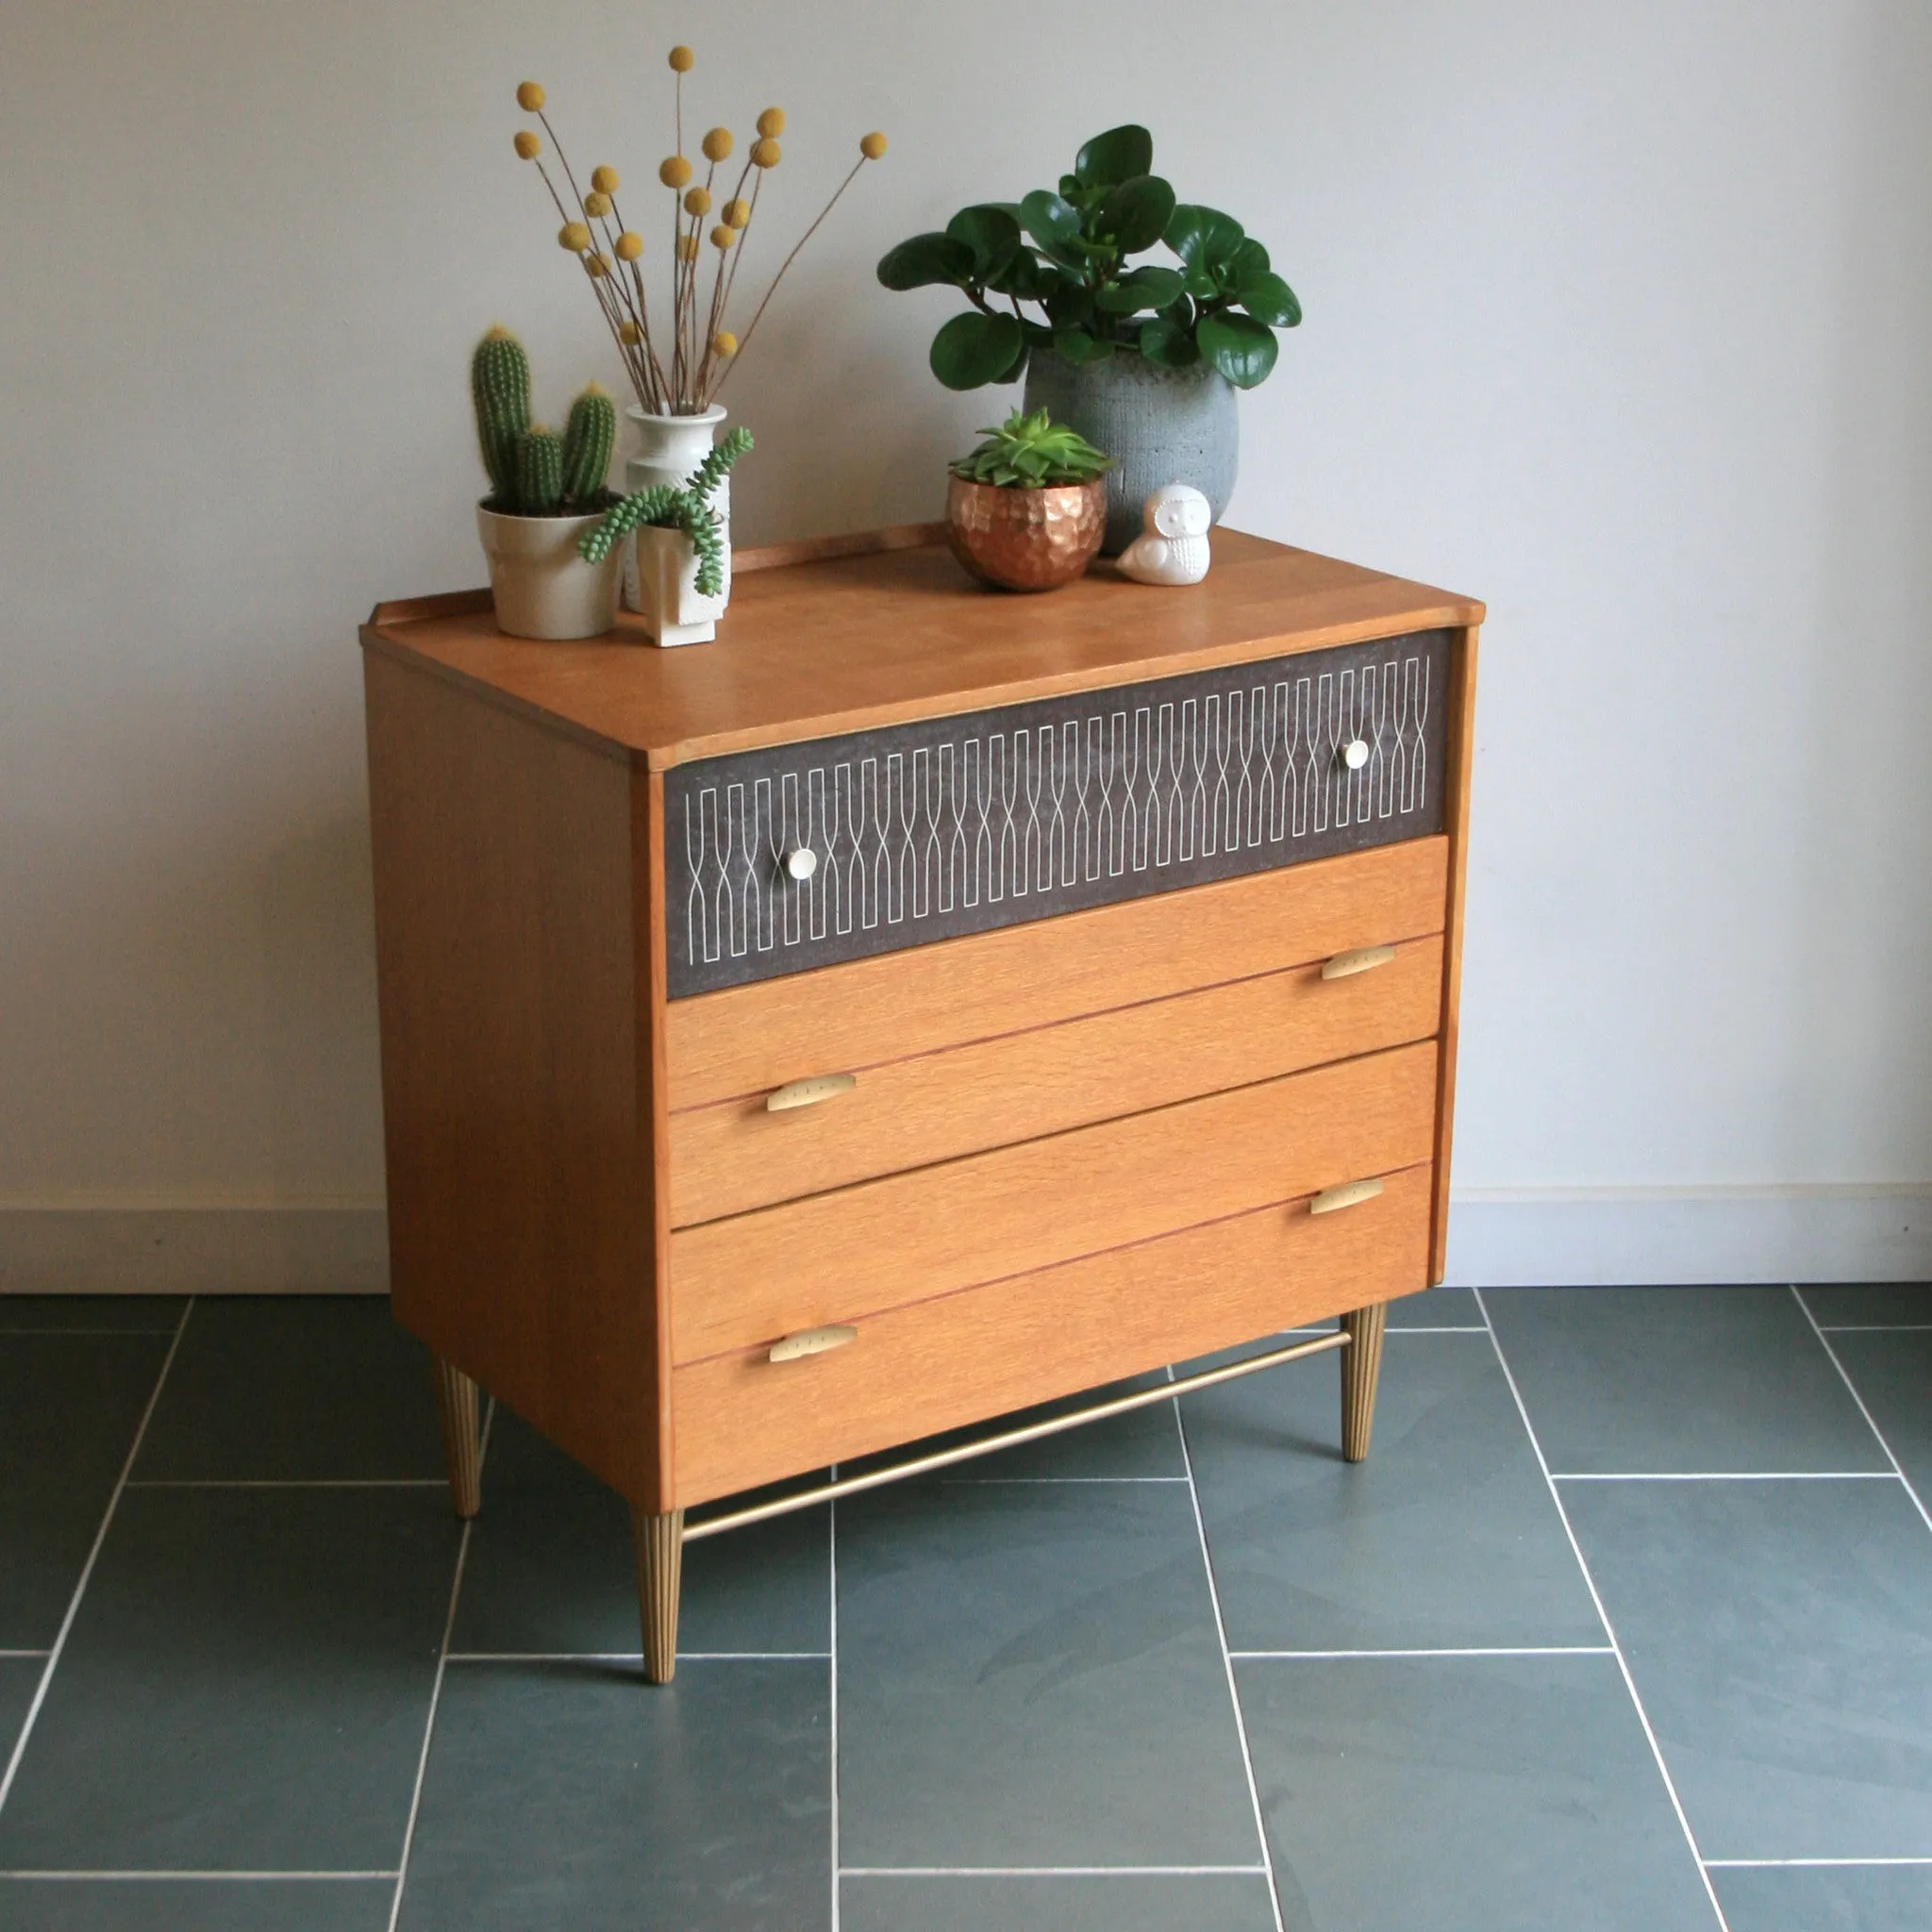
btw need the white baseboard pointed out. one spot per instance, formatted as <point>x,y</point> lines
<point>193,1251</point>
<point>1531,1238</point>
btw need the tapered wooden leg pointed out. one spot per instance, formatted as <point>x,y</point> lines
<point>456,1404</point>
<point>660,1559</point>
<point>1361,1367</point>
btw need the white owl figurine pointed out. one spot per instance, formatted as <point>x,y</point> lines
<point>1173,546</point>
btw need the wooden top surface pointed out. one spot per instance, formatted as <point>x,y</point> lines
<point>849,643</point>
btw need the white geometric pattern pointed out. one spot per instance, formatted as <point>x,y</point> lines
<point>991,810</point>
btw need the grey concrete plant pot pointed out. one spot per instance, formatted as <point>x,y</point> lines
<point>1160,425</point>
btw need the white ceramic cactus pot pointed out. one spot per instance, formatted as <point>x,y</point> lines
<point>665,576</point>
<point>669,450</point>
<point>542,587</point>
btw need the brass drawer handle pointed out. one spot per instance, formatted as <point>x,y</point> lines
<point>809,1092</point>
<point>1349,1194</point>
<point>814,1342</point>
<point>1361,960</point>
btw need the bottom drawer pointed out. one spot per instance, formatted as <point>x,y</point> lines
<point>742,1420</point>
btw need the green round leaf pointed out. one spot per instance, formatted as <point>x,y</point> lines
<point>1136,212</point>
<point>1027,276</point>
<point>1250,259</point>
<point>1051,221</point>
<point>973,349</point>
<point>1203,237</point>
<point>1145,288</point>
<point>1076,345</point>
<point>1167,343</point>
<point>1238,345</point>
<point>1118,155</point>
<point>1268,299</point>
<point>925,259</point>
<point>992,235</point>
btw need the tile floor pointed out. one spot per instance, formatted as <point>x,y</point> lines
<point>1627,1624</point>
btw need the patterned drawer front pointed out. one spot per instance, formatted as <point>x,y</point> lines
<point>952,825</point>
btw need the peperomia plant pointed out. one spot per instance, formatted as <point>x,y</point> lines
<point>1066,252</point>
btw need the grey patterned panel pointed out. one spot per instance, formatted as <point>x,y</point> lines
<point>951,826</point>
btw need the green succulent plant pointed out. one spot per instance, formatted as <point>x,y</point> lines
<point>667,507</point>
<point>1066,251</point>
<point>1032,453</point>
<point>534,473</point>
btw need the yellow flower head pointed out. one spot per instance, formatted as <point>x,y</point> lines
<point>675,171</point>
<point>629,332</point>
<point>771,122</point>
<point>737,214</point>
<point>596,206</point>
<point>698,201</point>
<point>717,143</point>
<point>764,153</point>
<point>687,248</point>
<point>604,180</point>
<point>599,265</point>
<point>682,59</point>
<point>871,146</point>
<point>575,236</point>
<point>722,237</point>
<point>530,97</point>
<point>527,145</point>
<point>629,246</point>
<point>724,344</point>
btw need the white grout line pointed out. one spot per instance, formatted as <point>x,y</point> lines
<point>195,1877</point>
<point>12,1654</point>
<point>1602,1615</point>
<point>40,1697</point>
<point>1824,1343</point>
<point>635,1656</point>
<point>320,1482</point>
<point>1783,1864</point>
<point>1234,1695</point>
<point>1524,1650</point>
<point>449,1625</point>
<point>832,1657</point>
<point>1050,1481</point>
<point>1732,1475</point>
<point>1057,1871</point>
<point>1874,1327</point>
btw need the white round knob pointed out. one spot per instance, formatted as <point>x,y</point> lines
<point>1354,754</point>
<point>800,861</point>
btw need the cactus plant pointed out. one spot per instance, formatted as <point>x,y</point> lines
<point>589,434</point>
<point>500,387</point>
<point>540,472</point>
<point>688,509</point>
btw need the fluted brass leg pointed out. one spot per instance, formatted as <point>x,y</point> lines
<point>1361,1367</point>
<point>456,1404</point>
<point>660,1559</point>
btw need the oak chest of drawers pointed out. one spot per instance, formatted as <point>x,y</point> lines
<point>918,1004</point>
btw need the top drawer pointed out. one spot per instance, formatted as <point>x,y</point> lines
<point>951,826</point>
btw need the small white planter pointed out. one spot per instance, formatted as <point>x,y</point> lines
<point>669,448</point>
<point>542,587</point>
<point>665,576</point>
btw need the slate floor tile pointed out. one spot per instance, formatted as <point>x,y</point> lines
<point>1445,1537</point>
<point>244,1687</point>
<point>1678,1381</point>
<point>133,1314</point>
<point>322,1388</point>
<point>1866,1304</point>
<point>19,1676</point>
<point>1780,1634</point>
<point>1436,1308</point>
<point>163,1904</point>
<point>69,1409</point>
<point>1214,1902</point>
<point>1836,1898</point>
<point>1893,1373</point>
<point>551,1567</point>
<point>1497,1794</point>
<point>573,1795</point>
<point>1029,1675</point>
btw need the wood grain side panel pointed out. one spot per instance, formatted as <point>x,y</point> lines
<point>909,1235</point>
<point>733,1156</point>
<point>747,1040</point>
<point>1456,824</point>
<point>647,864</point>
<point>516,1136</point>
<point>987,1351</point>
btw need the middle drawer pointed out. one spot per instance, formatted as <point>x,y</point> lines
<point>885,1242</point>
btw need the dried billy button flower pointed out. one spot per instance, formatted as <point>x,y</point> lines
<point>573,236</point>
<point>682,60</point>
<point>771,121</point>
<point>736,213</point>
<point>528,145</point>
<point>596,206</point>
<point>629,334</point>
<point>764,153</point>
<point>604,180</point>
<point>629,246</point>
<point>530,97</point>
<point>675,171</point>
<point>698,201</point>
<point>717,143</point>
<point>724,344</point>
<point>599,265</point>
<point>873,145</point>
<point>687,248</point>
<point>722,237</point>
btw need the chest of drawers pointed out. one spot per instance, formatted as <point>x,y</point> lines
<point>920,1005</point>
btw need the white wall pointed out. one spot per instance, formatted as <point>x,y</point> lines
<point>1618,317</point>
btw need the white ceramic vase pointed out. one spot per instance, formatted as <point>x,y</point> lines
<point>542,587</point>
<point>665,571</point>
<point>669,448</point>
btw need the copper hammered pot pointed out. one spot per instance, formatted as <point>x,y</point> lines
<point>1026,540</point>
